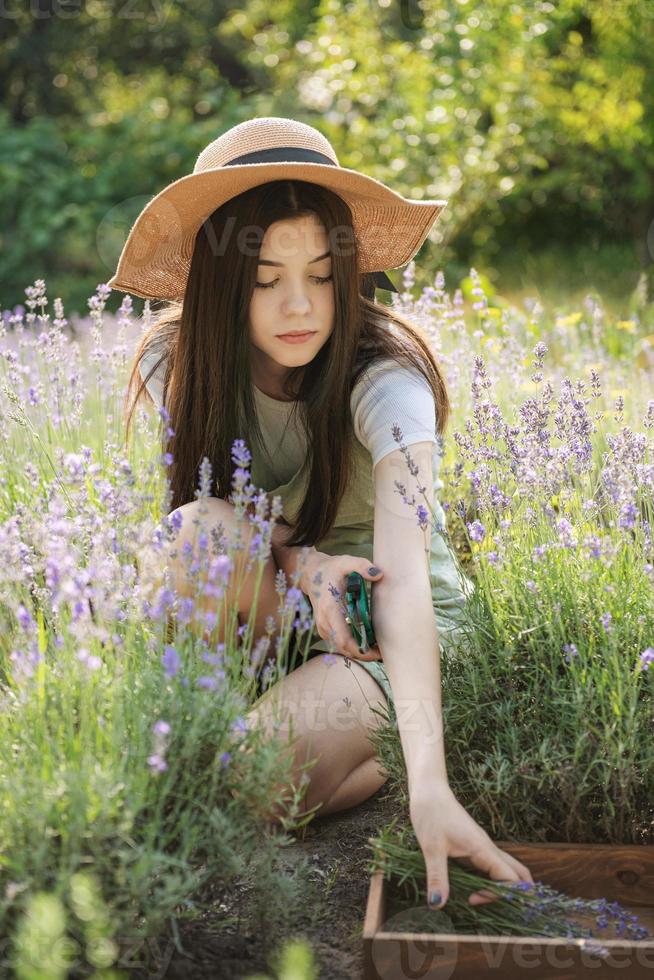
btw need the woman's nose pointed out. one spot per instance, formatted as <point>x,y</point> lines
<point>297,300</point>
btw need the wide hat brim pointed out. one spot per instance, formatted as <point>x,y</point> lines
<point>156,257</point>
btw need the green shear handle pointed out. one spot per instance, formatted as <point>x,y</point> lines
<point>359,611</point>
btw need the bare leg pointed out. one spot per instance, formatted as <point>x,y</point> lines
<point>327,707</point>
<point>357,786</point>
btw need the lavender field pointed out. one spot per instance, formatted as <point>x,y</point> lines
<point>133,792</point>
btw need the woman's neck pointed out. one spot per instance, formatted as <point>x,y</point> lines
<point>270,386</point>
<point>278,396</point>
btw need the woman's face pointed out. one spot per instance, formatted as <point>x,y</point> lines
<point>294,292</point>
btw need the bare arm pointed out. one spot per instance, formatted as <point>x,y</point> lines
<point>406,631</point>
<point>407,636</point>
<point>403,616</point>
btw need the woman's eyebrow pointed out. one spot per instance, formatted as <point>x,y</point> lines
<point>317,259</point>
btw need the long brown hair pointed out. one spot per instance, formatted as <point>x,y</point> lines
<point>204,339</point>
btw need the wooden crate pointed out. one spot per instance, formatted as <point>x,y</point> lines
<point>617,873</point>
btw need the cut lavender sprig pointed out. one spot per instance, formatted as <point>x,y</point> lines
<point>521,909</point>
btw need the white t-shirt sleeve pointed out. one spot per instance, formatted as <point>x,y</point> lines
<point>389,394</point>
<point>155,385</point>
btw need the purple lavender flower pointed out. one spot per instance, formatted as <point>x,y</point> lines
<point>205,478</point>
<point>171,661</point>
<point>211,618</point>
<point>24,663</point>
<point>628,515</point>
<point>90,660</point>
<point>208,681</point>
<point>240,453</point>
<point>164,600</point>
<point>24,618</point>
<point>294,597</point>
<point>175,520</point>
<point>477,531</point>
<point>477,290</point>
<point>220,566</point>
<point>157,762</point>
<point>74,465</point>
<point>540,350</point>
<point>571,651</point>
<point>565,531</point>
<point>646,658</point>
<point>594,545</point>
<point>267,674</point>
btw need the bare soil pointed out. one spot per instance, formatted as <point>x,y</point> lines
<point>230,941</point>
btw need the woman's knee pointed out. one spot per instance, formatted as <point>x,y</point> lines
<point>325,710</point>
<point>171,564</point>
<point>225,533</point>
<point>209,527</point>
<point>206,514</point>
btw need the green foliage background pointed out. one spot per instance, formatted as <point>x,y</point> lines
<point>530,118</point>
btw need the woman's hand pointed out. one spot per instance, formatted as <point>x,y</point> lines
<point>320,578</point>
<point>445,829</point>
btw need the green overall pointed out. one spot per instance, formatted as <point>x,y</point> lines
<point>352,534</point>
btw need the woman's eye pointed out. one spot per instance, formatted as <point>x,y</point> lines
<point>268,285</point>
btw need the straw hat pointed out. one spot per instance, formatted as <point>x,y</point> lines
<point>156,257</point>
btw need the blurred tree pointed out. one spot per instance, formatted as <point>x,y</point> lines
<point>54,55</point>
<point>504,109</point>
<point>530,118</point>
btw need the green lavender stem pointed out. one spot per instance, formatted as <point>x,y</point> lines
<point>522,909</point>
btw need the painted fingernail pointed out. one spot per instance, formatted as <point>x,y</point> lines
<point>435,898</point>
<point>373,570</point>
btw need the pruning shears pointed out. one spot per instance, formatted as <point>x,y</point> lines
<point>359,611</point>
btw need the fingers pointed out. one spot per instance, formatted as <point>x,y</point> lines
<point>344,644</point>
<point>373,574</point>
<point>346,647</point>
<point>352,563</point>
<point>347,644</point>
<point>524,874</point>
<point>340,633</point>
<point>438,886</point>
<point>500,866</point>
<point>482,897</point>
<point>349,649</point>
<point>372,654</point>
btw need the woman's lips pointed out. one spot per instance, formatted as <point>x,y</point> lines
<point>297,339</point>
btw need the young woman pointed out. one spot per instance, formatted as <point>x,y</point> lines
<point>270,236</point>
